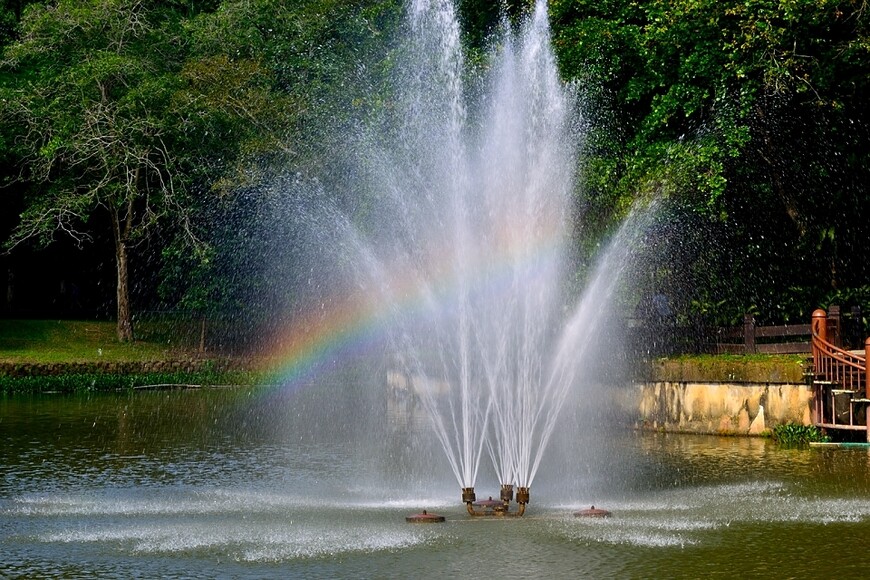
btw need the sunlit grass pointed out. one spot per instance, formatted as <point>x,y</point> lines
<point>53,341</point>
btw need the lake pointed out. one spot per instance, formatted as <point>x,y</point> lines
<point>256,483</point>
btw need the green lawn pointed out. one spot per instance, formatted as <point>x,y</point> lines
<point>84,343</point>
<point>53,341</point>
<point>76,341</point>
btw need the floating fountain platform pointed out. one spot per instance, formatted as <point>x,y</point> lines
<point>489,504</point>
<point>424,518</point>
<point>592,512</point>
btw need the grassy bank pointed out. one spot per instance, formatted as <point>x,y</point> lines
<point>756,368</point>
<point>99,381</point>
<point>53,341</point>
<point>65,355</point>
<point>69,356</point>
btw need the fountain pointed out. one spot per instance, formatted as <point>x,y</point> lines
<point>466,260</point>
<point>458,249</point>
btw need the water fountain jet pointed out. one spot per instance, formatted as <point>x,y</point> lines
<point>467,266</point>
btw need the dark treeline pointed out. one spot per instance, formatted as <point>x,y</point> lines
<point>752,117</point>
<point>144,146</point>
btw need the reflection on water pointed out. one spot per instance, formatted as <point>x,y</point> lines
<point>241,483</point>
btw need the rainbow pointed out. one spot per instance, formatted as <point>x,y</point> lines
<point>343,327</point>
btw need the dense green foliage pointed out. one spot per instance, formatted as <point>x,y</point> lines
<point>751,116</point>
<point>794,435</point>
<point>163,132</point>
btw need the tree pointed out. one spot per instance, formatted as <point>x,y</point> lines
<point>273,91</point>
<point>748,116</point>
<point>90,92</point>
<point>114,114</point>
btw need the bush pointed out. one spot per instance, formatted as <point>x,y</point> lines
<point>794,435</point>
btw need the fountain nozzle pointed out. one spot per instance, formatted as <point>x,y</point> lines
<point>469,498</point>
<point>507,492</point>
<point>522,495</point>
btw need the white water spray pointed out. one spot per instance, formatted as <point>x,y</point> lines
<point>469,254</point>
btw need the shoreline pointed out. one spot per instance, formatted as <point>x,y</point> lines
<point>715,395</point>
<point>106,376</point>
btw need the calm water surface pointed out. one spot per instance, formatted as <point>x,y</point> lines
<point>243,483</point>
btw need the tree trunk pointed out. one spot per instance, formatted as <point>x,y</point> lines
<point>125,318</point>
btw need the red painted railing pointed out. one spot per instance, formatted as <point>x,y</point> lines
<point>839,381</point>
<point>832,363</point>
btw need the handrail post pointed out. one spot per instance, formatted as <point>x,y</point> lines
<point>834,325</point>
<point>748,334</point>
<point>867,382</point>
<point>819,331</point>
<point>855,327</point>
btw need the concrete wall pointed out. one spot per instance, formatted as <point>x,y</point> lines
<point>721,407</point>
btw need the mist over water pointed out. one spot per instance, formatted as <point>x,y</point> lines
<point>463,249</point>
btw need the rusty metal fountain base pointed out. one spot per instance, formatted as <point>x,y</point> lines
<point>592,512</point>
<point>496,507</point>
<point>425,518</point>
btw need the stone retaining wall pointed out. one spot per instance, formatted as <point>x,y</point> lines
<point>721,408</point>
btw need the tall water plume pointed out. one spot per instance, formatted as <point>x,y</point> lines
<point>464,256</point>
<point>478,190</point>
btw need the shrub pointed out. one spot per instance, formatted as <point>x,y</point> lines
<point>794,435</point>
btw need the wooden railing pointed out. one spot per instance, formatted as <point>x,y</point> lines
<point>752,339</point>
<point>660,336</point>
<point>839,379</point>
